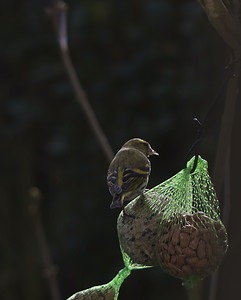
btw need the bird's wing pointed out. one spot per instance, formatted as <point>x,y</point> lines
<point>127,171</point>
<point>128,179</point>
<point>113,183</point>
<point>132,177</point>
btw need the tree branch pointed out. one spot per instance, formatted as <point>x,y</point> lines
<point>50,270</point>
<point>225,20</point>
<point>59,14</point>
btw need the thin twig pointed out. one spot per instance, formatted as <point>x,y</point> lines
<point>226,213</point>
<point>226,131</point>
<point>222,161</point>
<point>50,270</point>
<point>59,13</point>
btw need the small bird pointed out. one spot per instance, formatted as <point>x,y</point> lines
<point>129,171</point>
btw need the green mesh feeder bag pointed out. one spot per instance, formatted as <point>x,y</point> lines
<point>108,291</point>
<point>138,230</point>
<point>102,292</point>
<point>176,225</point>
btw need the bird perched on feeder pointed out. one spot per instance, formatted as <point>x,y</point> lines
<point>129,171</point>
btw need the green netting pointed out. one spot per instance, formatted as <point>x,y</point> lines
<point>190,192</point>
<point>108,291</point>
<point>175,225</point>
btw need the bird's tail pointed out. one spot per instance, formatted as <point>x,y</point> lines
<point>117,201</point>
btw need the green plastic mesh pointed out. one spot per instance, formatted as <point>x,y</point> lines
<point>190,192</point>
<point>108,291</point>
<point>175,225</point>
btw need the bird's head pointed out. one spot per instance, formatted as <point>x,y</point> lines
<point>140,145</point>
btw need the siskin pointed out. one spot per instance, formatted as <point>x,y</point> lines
<point>129,171</point>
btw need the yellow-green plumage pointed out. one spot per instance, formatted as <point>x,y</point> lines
<point>129,171</point>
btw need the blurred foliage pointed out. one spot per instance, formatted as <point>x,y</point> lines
<point>148,68</point>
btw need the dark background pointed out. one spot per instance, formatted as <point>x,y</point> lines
<point>148,67</point>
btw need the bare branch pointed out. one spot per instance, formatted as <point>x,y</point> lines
<point>60,15</point>
<point>62,26</point>
<point>226,131</point>
<point>221,173</point>
<point>50,270</point>
<point>226,24</point>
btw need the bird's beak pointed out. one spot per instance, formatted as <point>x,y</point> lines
<point>152,152</point>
